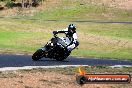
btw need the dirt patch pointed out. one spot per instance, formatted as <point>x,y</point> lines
<point>29,11</point>
<point>50,4</point>
<point>124,4</point>
<point>45,80</point>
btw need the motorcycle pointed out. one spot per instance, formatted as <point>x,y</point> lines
<point>56,48</point>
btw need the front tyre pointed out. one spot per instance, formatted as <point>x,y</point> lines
<point>37,55</point>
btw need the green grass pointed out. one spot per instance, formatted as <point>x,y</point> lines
<point>119,54</point>
<point>13,40</point>
<point>21,41</point>
<point>112,30</point>
<point>83,10</point>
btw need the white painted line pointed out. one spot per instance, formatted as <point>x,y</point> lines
<point>55,66</point>
<point>31,67</point>
<point>120,66</point>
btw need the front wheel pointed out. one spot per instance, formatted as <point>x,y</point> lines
<point>37,55</point>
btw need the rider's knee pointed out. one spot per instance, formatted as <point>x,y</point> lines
<point>77,43</point>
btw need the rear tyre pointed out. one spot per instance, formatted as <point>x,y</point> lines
<point>37,55</point>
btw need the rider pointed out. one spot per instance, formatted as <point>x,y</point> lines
<point>70,32</point>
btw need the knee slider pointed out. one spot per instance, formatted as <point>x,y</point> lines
<point>77,43</point>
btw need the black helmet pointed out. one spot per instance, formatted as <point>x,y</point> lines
<point>72,27</point>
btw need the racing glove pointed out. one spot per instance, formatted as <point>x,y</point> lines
<point>55,32</point>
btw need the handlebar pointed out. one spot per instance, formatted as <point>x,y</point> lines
<point>55,35</point>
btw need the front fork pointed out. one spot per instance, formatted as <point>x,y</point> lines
<point>47,50</point>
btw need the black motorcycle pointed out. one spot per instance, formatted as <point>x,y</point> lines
<point>56,48</point>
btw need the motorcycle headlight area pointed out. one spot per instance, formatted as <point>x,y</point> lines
<point>50,43</point>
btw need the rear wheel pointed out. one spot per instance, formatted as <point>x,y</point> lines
<point>37,55</point>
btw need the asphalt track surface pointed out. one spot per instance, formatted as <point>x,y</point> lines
<point>26,60</point>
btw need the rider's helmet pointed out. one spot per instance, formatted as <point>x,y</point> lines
<point>72,28</point>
